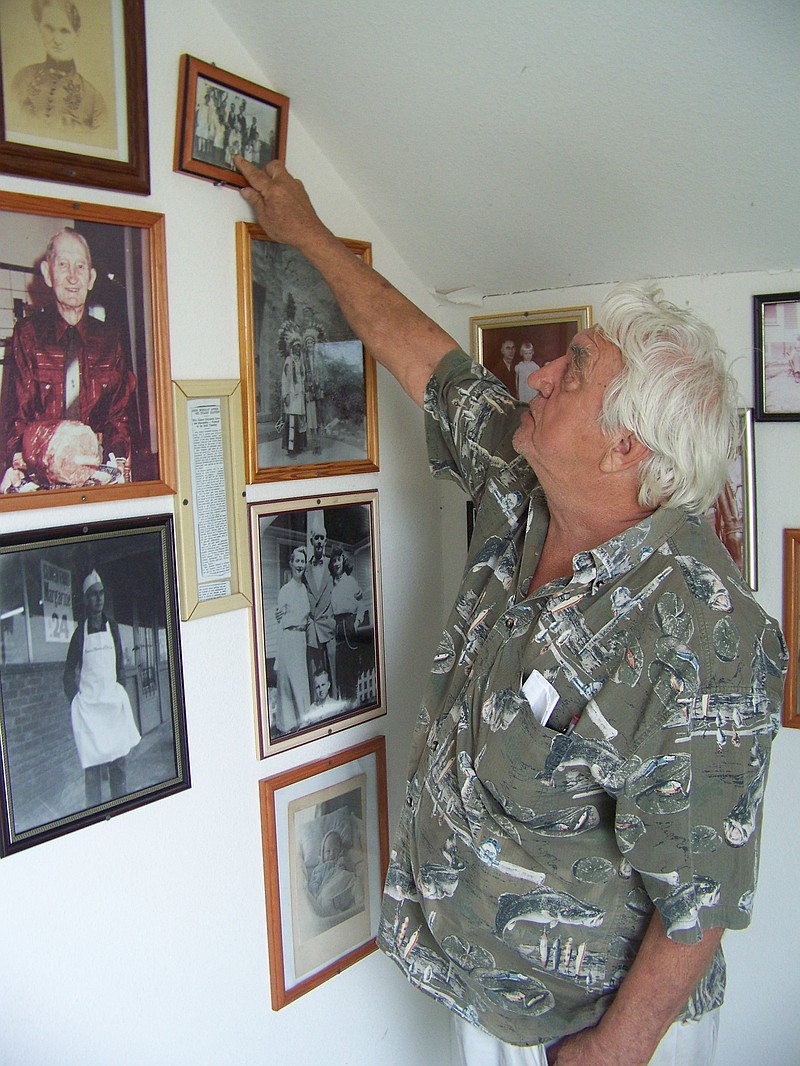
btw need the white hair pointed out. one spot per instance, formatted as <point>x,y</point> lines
<point>674,393</point>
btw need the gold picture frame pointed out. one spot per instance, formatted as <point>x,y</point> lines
<point>549,332</point>
<point>309,387</point>
<point>211,515</point>
<point>126,306</point>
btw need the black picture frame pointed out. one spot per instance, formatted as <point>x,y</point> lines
<point>110,151</point>
<point>776,353</point>
<point>47,741</point>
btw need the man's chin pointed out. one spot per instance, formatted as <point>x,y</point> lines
<point>518,442</point>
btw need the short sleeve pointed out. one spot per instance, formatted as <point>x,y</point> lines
<point>689,815</point>
<point>470,421</point>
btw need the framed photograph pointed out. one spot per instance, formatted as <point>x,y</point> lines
<point>92,719</point>
<point>733,513</point>
<point>213,557</point>
<point>776,347</point>
<point>73,92</point>
<point>85,390</point>
<point>326,853</point>
<point>310,394</point>
<point>221,115</point>
<point>317,616</point>
<point>791,624</point>
<point>513,345</point>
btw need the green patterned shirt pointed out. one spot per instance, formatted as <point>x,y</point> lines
<point>529,858</point>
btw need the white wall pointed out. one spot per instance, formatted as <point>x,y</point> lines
<point>759,1020</point>
<point>142,940</point>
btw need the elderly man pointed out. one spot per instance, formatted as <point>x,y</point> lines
<point>583,807</point>
<point>68,400</point>
<point>504,367</point>
<point>321,634</point>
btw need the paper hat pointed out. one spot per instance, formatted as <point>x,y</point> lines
<point>315,523</point>
<point>91,579</point>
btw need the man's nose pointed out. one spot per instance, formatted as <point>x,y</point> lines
<point>547,376</point>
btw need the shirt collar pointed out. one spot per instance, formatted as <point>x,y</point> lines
<point>62,326</point>
<point>617,556</point>
<point>60,66</point>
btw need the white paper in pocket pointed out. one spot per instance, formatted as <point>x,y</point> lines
<point>541,696</point>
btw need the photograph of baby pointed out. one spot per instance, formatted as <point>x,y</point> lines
<point>326,852</point>
<point>328,871</point>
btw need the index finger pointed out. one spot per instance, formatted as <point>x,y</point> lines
<point>250,171</point>
<point>243,165</point>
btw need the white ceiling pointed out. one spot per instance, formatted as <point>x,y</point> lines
<point>524,144</point>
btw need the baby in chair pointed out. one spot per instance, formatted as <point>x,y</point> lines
<point>332,879</point>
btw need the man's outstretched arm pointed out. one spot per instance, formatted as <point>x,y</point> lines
<point>400,336</point>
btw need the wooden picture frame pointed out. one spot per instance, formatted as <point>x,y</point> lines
<point>733,513</point>
<point>318,625</point>
<point>57,747</point>
<point>549,333</point>
<point>322,913</point>
<point>791,625</point>
<point>221,115</point>
<point>309,388</point>
<point>123,392</point>
<point>90,134</point>
<point>776,351</point>
<point>213,555</point>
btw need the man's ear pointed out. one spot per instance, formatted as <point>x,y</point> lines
<point>44,266</point>
<point>624,451</point>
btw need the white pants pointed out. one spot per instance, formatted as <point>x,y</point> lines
<point>683,1044</point>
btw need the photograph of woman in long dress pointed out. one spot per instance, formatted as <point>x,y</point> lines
<point>293,612</point>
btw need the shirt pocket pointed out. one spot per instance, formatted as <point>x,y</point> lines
<point>103,383</point>
<point>48,379</point>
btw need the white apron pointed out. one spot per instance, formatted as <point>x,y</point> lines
<point>102,719</point>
